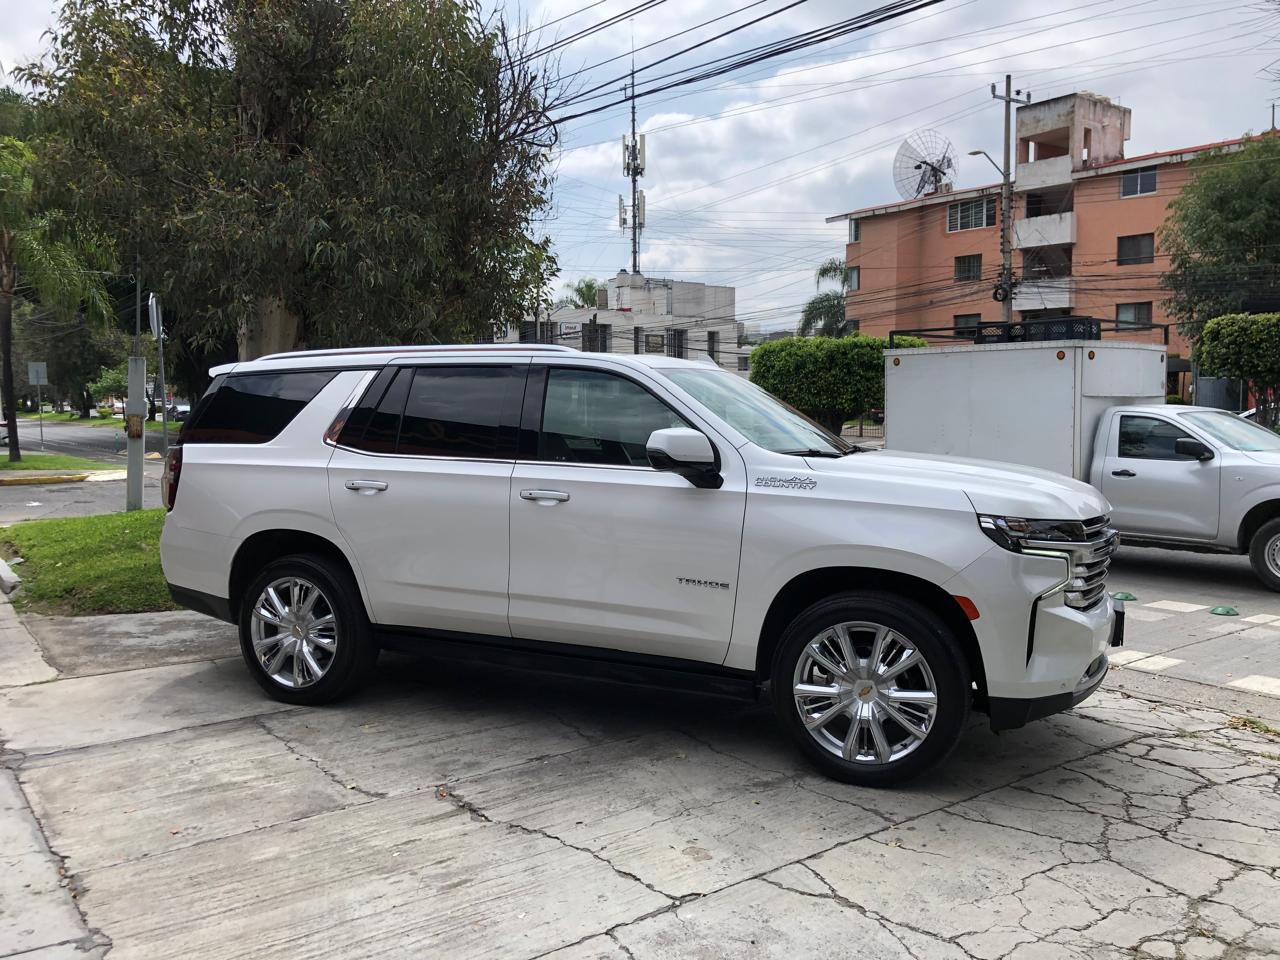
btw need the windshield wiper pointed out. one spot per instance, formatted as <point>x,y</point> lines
<point>833,454</point>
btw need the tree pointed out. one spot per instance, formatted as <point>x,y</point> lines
<point>831,379</point>
<point>824,314</point>
<point>1246,347</point>
<point>40,258</point>
<point>74,350</point>
<point>583,293</point>
<point>308,172</point>
<point>1220,237</point>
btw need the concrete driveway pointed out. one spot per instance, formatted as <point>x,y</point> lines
<point>155,805</point>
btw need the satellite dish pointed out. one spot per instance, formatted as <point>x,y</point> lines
<point>925,163</point>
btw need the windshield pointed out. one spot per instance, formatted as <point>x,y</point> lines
<point>761,417</point>
<point>1236,432</point>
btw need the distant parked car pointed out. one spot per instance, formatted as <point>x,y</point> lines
<point>117,406</point>
<point>179,412</point>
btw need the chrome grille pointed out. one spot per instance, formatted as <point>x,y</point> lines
<point>1089,561</point>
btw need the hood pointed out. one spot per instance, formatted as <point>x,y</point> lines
<point>1002,489</point>
<point>1268,458</point>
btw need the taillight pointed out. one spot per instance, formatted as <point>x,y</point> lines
<point>169,479</point>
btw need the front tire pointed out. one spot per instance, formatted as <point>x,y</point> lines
<point>872,687</point>
<point>303,631</point>
<point>1264,554</point>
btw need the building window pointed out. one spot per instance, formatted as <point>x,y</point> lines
<point>1136,183</point>
<point>677,343</point>
<point>966,324</point>
<point>971,214</point>
<point>855,231</point>
<point>744,362</point>
<point>597,337</point>
<point>853,278</point>
<point>1139,248</point>
<point>713,345</point>
<point>655,343</point>
<point>969,268</point>
<point>1131,315</point>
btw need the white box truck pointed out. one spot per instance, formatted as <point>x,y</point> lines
<point>1192,478</point>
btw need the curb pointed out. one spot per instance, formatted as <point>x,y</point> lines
<point>35,481</point>
<point>9,581</point>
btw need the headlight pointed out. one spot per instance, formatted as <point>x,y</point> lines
<point>1012,532</point>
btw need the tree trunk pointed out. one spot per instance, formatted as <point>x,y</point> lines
<point>6,380</point>
<point>271,329</point>
<point>84,403</point>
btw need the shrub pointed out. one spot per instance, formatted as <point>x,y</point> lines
<point>1245,346</point>
<point>831,379</point>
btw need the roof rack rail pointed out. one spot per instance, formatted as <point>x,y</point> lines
<point>424,348</point>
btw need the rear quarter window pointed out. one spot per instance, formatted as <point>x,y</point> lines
<point>253,407</point>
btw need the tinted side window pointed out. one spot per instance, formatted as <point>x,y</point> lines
<point>253,407</point>
<point>1149,438</point>
<point>383,429</point>
<point>594,417</point>
<point>461,412</point>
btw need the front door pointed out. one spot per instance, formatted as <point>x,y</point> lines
<point>1155,491</point>
<point>605,550</point>
<point>420,488</point>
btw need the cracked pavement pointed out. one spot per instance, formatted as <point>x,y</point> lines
<point>153,807</point>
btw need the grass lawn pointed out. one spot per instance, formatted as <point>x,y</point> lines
<point>49,417</point>
<point>149,425</point>
<point>55,461</point>
<point>87,565</point>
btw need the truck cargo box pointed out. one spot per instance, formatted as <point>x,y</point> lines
<point>1036,404</point>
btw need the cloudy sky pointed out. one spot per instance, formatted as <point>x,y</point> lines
<point>743,169</point>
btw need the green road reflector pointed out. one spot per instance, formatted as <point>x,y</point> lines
<point>1225,611</point>
<point>1123,596</point>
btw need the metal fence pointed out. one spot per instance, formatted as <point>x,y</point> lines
<point>1031,331</point>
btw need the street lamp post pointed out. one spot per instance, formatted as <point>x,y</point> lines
<point>1004,287</point>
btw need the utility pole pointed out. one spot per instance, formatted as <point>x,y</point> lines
<point>1004,290</point>
<point>633,167</point>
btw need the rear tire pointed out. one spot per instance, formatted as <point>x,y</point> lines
<point>304,633</point>
<point>873,688</point>
<point>1264,554</point>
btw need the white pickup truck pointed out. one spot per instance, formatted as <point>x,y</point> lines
<point>1191,478</point>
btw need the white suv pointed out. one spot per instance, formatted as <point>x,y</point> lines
<point>641,517</point>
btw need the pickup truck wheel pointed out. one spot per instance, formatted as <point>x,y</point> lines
<point>1264,554</point>
<point>303,631</point>
<point>871,686</point>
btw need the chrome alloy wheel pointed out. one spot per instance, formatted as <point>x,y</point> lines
<point>294,632</point>
<point>865,693</point>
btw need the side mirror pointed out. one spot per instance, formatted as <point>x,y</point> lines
<point>1186,447</point>
<point>687,453</point>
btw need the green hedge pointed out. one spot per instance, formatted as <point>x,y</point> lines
<point>831,379</point>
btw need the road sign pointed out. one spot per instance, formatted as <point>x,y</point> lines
<point>157,322</point>
<point>38,373</point>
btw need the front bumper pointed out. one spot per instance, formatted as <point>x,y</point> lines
<point>1008,713</point>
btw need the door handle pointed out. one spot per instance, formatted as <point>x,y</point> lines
<point>366,486</point>
<point>1123,473</point>
<point>544,496</point>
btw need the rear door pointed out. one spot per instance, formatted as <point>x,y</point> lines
<point>1155,491</point>
<point>419,484</point>
<point>606,551</point>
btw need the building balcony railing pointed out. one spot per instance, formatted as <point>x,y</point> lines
<point>1039,174</point>
<point>1046,294</point>
<point>1051,230</point>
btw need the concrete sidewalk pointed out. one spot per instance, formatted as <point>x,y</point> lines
<point>154,801</point>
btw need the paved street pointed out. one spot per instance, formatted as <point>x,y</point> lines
<point>155,802</point>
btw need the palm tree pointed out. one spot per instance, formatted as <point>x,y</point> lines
<point>582,293</point>
<point>40,261</point>
<point>824,314</point>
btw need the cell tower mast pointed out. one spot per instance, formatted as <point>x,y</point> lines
<point>633,167</point>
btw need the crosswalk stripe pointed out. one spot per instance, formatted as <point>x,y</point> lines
<point>1177,606</point>
<point>1127,656</point>
<point>1262,618</point>
<point>1258,684</point>
<point>1155,664</point>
